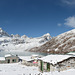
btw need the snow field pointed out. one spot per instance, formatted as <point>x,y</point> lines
<point>18,69</point>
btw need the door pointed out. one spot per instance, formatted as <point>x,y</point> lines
<point>8,60</point>
<point>48,66</point>
<point>41,63</point>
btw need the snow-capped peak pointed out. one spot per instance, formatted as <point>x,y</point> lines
<point>3,33</point>
<point>24,36</point>
<point>71,31</point>
<point>63,43</point>
<point>46,34</point>
<point>66,33</point>
<point>1,30</point>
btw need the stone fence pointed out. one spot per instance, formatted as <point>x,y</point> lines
<point>29,64</point>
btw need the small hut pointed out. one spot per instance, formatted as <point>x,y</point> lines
<point>56,63</point>
<point>29,60</point>
<point>26,60</point>
<point>9,58</point>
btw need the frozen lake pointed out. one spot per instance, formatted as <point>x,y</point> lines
<point>21,53</point>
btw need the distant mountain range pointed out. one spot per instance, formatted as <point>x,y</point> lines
<point>60,44</point>
<point>21,43</point>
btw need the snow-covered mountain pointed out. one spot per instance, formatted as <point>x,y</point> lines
<point>63,43</point>
<point>3,33</point>
<point>17,42</point>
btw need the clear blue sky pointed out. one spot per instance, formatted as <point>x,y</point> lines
<point>37,17</point>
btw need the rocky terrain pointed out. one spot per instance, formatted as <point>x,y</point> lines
<point>62,43</point>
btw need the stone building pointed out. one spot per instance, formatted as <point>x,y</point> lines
<point>28,61</point>
<point>11,58</point>
<point>56,63</point>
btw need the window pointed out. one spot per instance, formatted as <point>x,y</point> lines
<point>14,60</point>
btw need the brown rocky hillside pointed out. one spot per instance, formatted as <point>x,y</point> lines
<point>63,43</point>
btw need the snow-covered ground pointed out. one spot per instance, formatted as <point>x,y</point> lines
<point>18,69</point>
<point>68,72</point>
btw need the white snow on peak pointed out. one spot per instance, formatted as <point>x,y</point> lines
<point>24,36</point>
<point>66,34</point>
<point>71,31</point>
<point>3,33</point>
<point>46,34</point>
<point>1,30</point>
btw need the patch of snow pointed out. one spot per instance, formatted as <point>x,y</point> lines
<point>56,49</point>
<point>67,72</point>
<point>8,55</point>
<point>48,50</point>
<point>72,47</point>
<point>17,69</point>
<point>72,53</point>
<point>34,55</point>
<point>2,58</point>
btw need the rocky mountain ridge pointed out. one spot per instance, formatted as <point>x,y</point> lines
<point>60,44</point>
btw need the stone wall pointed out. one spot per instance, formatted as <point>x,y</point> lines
<point>29,63</point>
<point>2,61</point>
<point>66,64</point>
<point>11,59</point>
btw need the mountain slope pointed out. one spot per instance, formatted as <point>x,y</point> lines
<point>3,33</point>
<point>17,42</point>
<point>63,43</point>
